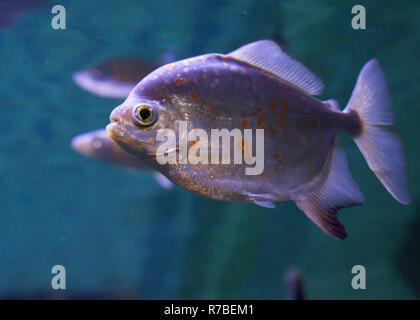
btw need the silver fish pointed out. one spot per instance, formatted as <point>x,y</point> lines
<point>258,86</point>
<point>97,145</point>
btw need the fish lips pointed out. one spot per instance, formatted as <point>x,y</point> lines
<point>124,134</point>
<point>116,131</point>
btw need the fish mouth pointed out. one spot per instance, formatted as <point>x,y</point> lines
<point>115,128</point>
<point>115,131</point>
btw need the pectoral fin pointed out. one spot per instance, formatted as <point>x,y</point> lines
<point>163,181</point>
<point>265,204</point>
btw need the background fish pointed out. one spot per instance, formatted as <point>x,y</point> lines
<point>114,78</point>
<point>294,284</point>
<point>259,86</point>
<point>97,145</point>
<point>10,9</point>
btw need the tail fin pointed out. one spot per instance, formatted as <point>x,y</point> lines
<point>378,140</point>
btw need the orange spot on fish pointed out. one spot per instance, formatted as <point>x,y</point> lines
<point>271,105</point>
<point>193,143</point>
<point>195,79</point>
<point>185,81</point>
<point>284,106</point>
<point>216,72</point>
<point>193,96</point>
<point>314,121</point>
<point>301,122</point>
<point>169,66</point>
<point>244,124</point>
<point>233,68</point>
<point>259,120</point>
<point>280,120</point>
<point>270,129</point>
<point>278,158</point>
<point>207,110</point>
<point>178,82</point>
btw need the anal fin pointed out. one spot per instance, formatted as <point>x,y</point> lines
<point>339,191</point>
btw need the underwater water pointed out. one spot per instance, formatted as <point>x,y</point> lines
<point>118,233</point>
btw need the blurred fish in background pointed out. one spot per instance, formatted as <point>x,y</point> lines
<point>114,78</point>
<point>97,145</point>
<point>293,282</point>
<point>11,9</point>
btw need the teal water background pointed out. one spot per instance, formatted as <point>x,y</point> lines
<point>118,233</point>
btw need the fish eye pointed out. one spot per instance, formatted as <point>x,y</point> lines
<point>145,115</point>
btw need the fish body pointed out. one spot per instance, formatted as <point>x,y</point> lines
<point>97,145</point>
<point>255,87</point>
<point>228,94</point>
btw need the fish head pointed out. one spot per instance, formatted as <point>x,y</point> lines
<point>135,124</point>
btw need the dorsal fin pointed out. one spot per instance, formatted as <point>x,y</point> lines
<point>268,55</point>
